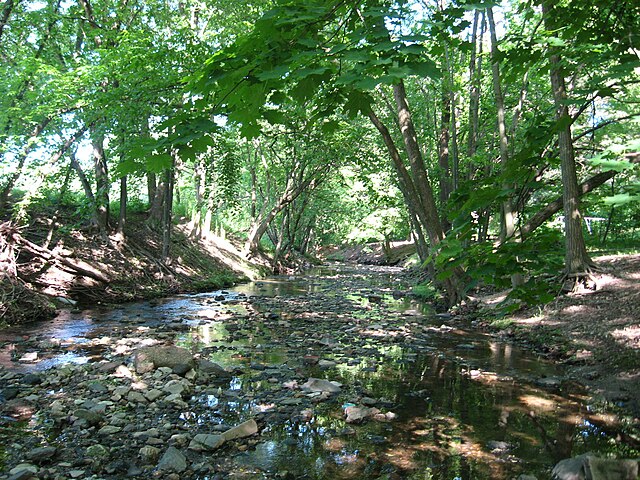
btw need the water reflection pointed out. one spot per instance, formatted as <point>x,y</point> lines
<point>465,405</point>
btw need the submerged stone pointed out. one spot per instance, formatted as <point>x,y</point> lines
<point>320,385</point>
<point>147,359</point>
<point>173,460</point>
<point>245,429</point>
<point>206,442</point>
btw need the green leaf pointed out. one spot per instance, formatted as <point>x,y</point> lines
<point>620,199</point>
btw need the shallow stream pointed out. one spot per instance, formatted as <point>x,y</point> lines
<point>459,404</point>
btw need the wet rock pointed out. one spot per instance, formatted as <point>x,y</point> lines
<point>10,393</point>
<point>97,452</point>
<point>24,468</point>
<point>359,414</point>
<point>148,358</point>
<point>109,430</point>
<point>174,387</point>
<point>206,442</point>
<point>326,364</point>
<point>41,455</point>
<point>588,467</point>
<point>173,460</point>
<point>182,369</point>
<point>213,369</point>
<point>246,429</point>
<point>90,417</point>
<point>320,385</point>
<point>22,475</point>
<point>149,454</point>
<point>30,357</point>
<point>32,379</point>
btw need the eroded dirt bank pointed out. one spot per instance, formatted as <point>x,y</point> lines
<point>594,333</point>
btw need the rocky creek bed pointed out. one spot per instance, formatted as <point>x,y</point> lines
<point>332,375</point>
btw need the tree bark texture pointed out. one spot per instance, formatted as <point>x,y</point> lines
<point>577,260</point>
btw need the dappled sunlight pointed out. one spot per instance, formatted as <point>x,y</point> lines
<point>538,404</point>
<point>628,336</point>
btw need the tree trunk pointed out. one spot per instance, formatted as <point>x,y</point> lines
<point>418,171</point>
<point>443,147</point>
<point>196,216</point>
<point>578,264</point>
<point>554,207</point>
<point>475,82</point>
<point>508,215</point>
<point>406,185</point>
<point>21,158</point>
<point>6,13</point>
<point>577,260</point>
<point>157,203</point>
<point>167,212</point>
<point>102,181</point>
<point>151,187</point>
<point>86,186</point>
<point>122,214</point>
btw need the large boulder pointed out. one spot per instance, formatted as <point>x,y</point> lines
<point>588,467</point>
<point>146,359</point>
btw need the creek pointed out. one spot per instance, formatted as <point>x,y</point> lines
<point>450,402</point>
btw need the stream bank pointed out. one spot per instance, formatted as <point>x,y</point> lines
<point>343,375</point>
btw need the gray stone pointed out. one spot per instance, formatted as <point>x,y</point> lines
<point>92,418</point>
<point>320,385</point>
<point>109,430</point>
<point>174,387</point>
<point>245,429</point>
<point>23,467</point>
<point>326,364</point>
<point>206,442</point>
<point>173,460</point>
<point>149,454</point>
<point>97,452</point>
<point>213,369</point>
<point>137,397</point>
<point>153,394</point>
<point>97,387</point>
<point>587,467</point>
<point>358,414</point>
<point>41,454</point>
<point>147,359</point>
<point>32,379</point>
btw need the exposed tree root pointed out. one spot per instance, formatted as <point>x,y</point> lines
<point>580,282</point>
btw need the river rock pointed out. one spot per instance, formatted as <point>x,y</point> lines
<point>173,460</point>
<point>588,467</point>
<point>147,359</point>
<point>245,429</point>
<point>320,385</point>
<point>32,379</point>
<point>90,417</point>
<point>326,364</point>
<point>358,414</point>
<point>206,442</point>
<point>149,454</point>
<point>32,469</point>
<point>174,387</point>
<point>41,455</point>
<point>213,369</point>
<point>97,452</point>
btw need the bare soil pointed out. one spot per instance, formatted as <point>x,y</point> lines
<point>595,332</point>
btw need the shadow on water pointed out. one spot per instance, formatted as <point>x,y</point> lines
<point>464,405</point>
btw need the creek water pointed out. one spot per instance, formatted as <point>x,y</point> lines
<point>462,404</point>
